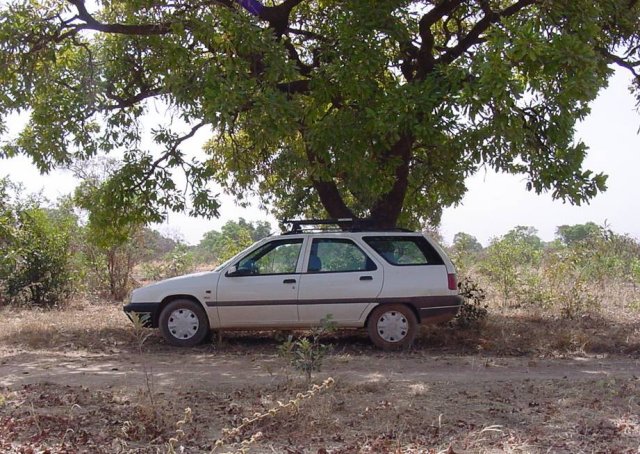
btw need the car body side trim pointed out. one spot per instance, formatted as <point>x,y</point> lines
<point>420,302</point>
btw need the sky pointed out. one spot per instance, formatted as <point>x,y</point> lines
<point>494,203</point>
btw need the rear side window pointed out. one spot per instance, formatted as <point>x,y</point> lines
<point>337,256</point>
<point>404,250</point>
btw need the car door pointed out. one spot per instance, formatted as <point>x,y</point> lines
<point>416,268</point>
<point>261,289</point>
<point>339,279</point>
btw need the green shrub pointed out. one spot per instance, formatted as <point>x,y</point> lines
<point>177,262</point>
<point>511,260</point>
<point>560,284</point>
<point>37,269</point>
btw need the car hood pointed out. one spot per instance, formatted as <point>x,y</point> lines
<point>190,284</point>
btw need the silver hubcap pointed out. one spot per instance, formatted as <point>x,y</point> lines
<point>183,324</point>
<point>392,326</point>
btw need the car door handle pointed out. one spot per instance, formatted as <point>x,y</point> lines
<point>366,278</point>
<point>289,281</point>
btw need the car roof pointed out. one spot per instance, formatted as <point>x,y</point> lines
<point>348,234</point>
<point>335,225</point>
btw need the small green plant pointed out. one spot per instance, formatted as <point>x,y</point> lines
<point>307,353</point>
<point>635,305</point>
<point>140,330</point>
<point>473,311</point>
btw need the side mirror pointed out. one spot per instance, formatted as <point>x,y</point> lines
<point>234,271</point>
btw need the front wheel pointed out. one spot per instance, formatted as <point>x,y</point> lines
<point>392,326</point>
<point>184,323</point>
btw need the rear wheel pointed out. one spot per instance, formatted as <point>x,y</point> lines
<point>392,326</point>
<point>184,323</point>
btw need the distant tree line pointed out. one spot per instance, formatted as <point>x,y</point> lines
<point>584,265</point>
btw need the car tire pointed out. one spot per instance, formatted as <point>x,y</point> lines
<point>392,326</point>
<point>184,323</point>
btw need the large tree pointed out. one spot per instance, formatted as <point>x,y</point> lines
<point>376,109</point>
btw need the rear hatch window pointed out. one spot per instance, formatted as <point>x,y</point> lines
<point>404,250</point>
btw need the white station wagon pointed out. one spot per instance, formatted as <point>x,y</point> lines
<point>385,281</point>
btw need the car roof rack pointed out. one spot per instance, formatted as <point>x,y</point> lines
<point>341,224</point>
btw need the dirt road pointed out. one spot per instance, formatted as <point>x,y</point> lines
<point>381,402</point>
<point>212,370</point>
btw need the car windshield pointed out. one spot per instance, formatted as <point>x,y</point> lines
<point>226,262</point>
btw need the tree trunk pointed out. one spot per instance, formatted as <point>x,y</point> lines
<point>332,200</point>
<point>386,211</point>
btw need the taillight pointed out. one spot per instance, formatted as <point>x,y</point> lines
<point>453,282</point>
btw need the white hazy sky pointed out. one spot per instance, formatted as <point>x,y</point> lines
<point>494,202</point>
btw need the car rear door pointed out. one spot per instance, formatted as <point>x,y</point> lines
<point>415,274</point>
<point>338,278</point>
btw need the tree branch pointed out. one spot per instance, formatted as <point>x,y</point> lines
<point>301,86</point>
<point>386,210</point>
<point>91,23</point>
<point>425,57</point>
<point>123,103</point>
<point>328,192</point>
<point>474,35</point>
<point>303,68</point>
<point>620,61</point>
<point>166,155</point>
<point>278,16</point>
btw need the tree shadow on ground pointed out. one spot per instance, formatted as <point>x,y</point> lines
<point>500,334</point>
<point>517,334</point>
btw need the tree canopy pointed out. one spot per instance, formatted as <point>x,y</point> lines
<point>232,238</point>
<point>356,108</point>
<point>572,234</point>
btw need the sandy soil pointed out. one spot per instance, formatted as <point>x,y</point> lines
<point>417,402</point>
<point>74,383</point>
<point>214,370</point>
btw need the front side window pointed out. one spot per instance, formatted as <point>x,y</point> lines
<point>275,257</point>
<point>404,250</point>
<point>333,255</point>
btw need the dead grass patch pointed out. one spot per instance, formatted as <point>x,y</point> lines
<point>81,326</point>
<point>103,328</point>
<point>517,333</point>
<point>522,416</point>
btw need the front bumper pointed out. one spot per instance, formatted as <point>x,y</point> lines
<point>146,313</point>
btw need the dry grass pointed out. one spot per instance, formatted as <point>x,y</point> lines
<point>103,328</point>
<point>517,333</point>
<point>370,416</point>
<point>555,415</point>
<point>81,326</point>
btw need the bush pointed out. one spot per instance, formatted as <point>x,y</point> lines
<point>177,262</point>
<point>473,311</point>
<point>510,261</point>
<point>37,269</point>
